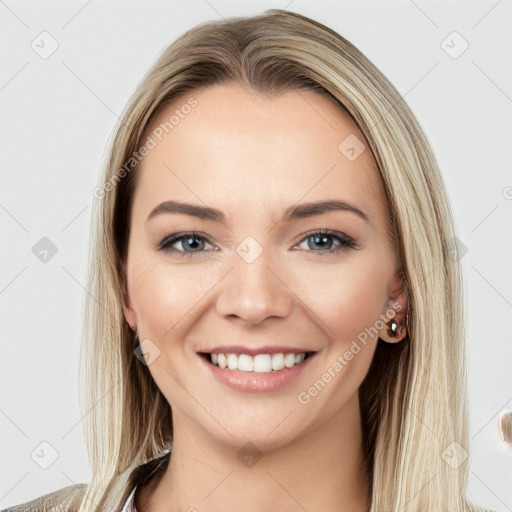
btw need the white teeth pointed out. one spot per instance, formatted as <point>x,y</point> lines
<point>260,363</point>
<point>221,360</point>
<point>232,361</point>
<point>278,361</point>
<point>245,363</point>
<point>289,360</point>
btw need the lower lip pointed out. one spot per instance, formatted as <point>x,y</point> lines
<point>255,382</point>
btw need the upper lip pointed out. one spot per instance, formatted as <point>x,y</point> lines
<point>267,349</point>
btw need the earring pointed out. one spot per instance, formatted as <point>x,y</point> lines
<point>394,331</point>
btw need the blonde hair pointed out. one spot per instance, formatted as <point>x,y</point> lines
<point>413,400</point>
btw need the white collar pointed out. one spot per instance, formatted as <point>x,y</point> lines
<point>129,504</point>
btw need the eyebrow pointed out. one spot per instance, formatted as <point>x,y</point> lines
<point>291,213</point>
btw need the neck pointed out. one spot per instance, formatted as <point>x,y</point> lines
<point>323,470</point>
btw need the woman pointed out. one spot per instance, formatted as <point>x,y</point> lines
<point>274,318</point>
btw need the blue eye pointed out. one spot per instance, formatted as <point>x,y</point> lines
<point>194,244</point>
<point>188,240</point>
<point>321,238</point>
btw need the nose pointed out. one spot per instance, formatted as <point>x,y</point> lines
<point>254,291</point>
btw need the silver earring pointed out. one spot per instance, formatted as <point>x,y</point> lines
<point>394,330</point>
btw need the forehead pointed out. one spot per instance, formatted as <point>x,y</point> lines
<point>235,147</point>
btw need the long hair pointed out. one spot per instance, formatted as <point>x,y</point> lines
<point>413,400</point>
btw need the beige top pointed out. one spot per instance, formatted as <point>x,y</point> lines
<point>73,494</point>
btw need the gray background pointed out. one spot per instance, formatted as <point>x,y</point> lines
<point>58,113</point>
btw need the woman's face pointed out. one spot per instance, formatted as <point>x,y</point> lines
<point>257,278</point>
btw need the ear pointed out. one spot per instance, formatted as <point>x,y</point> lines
<point>395,310</point>
<point>130,316</point>
<point>129,312</point>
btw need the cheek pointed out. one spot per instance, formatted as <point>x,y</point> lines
<point>347,304</point>
<point>162,297</point>
<point>347,299</point>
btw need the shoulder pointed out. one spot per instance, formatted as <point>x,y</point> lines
<point>66,499</point>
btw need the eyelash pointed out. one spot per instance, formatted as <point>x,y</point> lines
<point>345,242</point>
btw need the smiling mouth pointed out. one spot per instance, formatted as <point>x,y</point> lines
<point>259,363</point>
